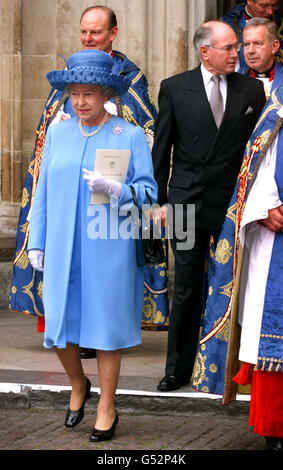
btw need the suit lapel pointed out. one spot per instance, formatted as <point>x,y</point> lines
<point>234,104</point>
<point>198,103</point>
<point>233,109</point>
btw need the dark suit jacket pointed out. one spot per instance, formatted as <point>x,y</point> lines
<point>206,161</point>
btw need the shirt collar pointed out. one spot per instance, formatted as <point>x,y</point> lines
<point>206,75</point>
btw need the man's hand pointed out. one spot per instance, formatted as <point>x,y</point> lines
<point>64,117</point>
<point>159,215</point>
<point>274,220</point>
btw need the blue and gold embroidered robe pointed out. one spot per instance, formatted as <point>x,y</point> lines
<point>217,360</point>
<point>277,80</point>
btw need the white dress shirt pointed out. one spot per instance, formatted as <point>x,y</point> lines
<point>206,75</point>
<point>258,243</point>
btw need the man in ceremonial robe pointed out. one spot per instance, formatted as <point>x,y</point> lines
<point>98,29</point>
<point>242,327</point>
<point>241,14</point>
<point>260,45</point>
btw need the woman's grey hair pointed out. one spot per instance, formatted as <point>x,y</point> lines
<point>107,91</point>
<point>271,27</point>
<point>203,37</point>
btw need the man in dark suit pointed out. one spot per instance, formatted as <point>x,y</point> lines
<point>207,154</point>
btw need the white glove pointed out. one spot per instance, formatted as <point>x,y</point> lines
<point>101,184</point>
<point>36,259</point>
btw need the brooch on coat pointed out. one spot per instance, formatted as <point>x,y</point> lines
<point>117,129</point>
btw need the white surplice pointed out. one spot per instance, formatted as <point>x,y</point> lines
<point>258,243</point>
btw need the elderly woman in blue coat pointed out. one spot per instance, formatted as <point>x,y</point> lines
<point>92,285</point>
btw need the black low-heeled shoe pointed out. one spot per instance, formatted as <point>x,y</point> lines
<point>273,443</point>
<point>74,417</point>
<point>98,435</point>
<point>172,382</point>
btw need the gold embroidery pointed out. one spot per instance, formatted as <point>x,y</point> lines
<point>274,365</point>
<point>137,78</point>
<point>25,197</point>
<point>271,336</point>
<point>213,368</point>
<point>223,251</point>
<point>39,289</point>
<point>149,308</point>
<point>128,115</point>
<point>26,290</point>
<point>159,318</point>
<point>223,333</point>
<point>227,289</point>
<point>148,131</point>
<point>141,103</point>
<point>150,96</point>
<point>231,213</point>
<point>24,227</point>
<point>199,374</point>
<point>23,261</point>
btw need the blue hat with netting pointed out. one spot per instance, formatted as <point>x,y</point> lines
<point>89,66</point>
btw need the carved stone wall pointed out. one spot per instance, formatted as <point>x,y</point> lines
<point>156,34</point>
<point>11,111</point>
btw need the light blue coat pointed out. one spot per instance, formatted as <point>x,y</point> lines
<point>92,288</point>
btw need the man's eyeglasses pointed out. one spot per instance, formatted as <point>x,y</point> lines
<point>264,6</point>
<point>227,48</point>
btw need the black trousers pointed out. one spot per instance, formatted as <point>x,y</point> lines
<point>188,302</point>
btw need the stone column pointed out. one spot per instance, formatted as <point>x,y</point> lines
<point>200,11</point>
<point>171,26</point>
<point>11,112</point>
<point>40,36</point>
<point>167,40</point>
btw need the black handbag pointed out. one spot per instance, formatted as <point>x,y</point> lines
<point>149,246</point>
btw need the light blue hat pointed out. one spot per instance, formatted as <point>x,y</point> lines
<point>89,66</point>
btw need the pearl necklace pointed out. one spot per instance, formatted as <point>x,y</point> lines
<point>90,134</point>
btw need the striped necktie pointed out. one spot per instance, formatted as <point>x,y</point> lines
<point>216,101</point>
